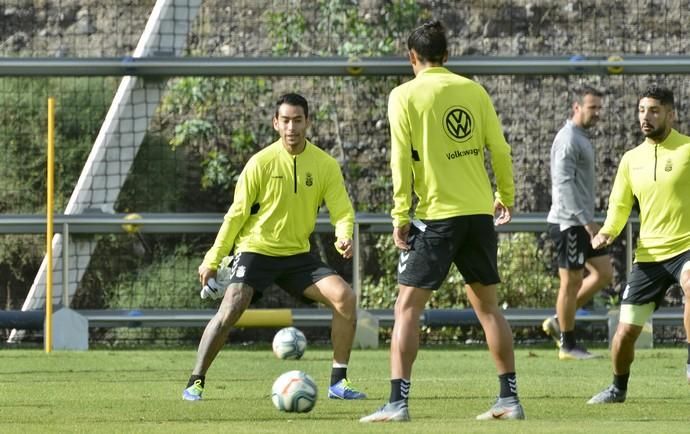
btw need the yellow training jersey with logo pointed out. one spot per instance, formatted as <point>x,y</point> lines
<point>276,202</point>
<point>658,175</point>
<point>440,125</point>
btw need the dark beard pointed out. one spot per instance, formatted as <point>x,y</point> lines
<point>656,134</point>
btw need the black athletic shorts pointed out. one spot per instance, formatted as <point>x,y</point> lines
<point>649,281</point>
<point>574,246</point>
<point>469,242</point>
<point>293,273</point>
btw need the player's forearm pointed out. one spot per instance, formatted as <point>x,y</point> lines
<point>225,239</point>
<point>502,165</point>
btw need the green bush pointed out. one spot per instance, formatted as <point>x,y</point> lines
<point>526,279</point>
<point>80,107</point>
<point>167,283</point>
<point>524,267</point>
<point>161,179</point>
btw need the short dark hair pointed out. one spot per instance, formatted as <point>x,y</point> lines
<point>663,94</point>
<point>293,99</point>
<point>582,92</point>
<point>429,42</point>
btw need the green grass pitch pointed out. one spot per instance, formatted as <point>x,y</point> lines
<point>140,391</point>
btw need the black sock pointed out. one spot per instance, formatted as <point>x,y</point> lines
<point>621,381</point>
<point>193,378</point>
<point>400,389</point>
<point>338,374</point>
<point>688,353</point>
<point>508,385</point>
<point>568,340</point>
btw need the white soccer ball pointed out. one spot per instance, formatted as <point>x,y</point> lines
<point>294,391</point>
<point>289,343</point>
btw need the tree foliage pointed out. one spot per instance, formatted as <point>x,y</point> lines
<point>80,108</point>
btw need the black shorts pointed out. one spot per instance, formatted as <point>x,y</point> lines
<point>467,241</point>
<point>573,246</point>
<point>649,281</point>
<point>293,273</point>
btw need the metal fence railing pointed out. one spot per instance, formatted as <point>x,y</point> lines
<point>66,225</point>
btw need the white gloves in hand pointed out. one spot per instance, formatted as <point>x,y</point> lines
<point>215,288</point>
<point>212,290</point>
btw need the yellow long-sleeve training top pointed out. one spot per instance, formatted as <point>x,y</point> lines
<point>276,202</point>
<point>440,125</point>
<point>658,175</point>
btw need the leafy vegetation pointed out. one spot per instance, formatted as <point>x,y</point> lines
<point>525,277</point>
<point>80,108</point>
<point>205,130</point>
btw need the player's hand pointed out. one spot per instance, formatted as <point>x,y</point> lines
<point>502,214</point>
<point>400,237</point>
<point>205,274</point>
<point>601,240</point>
<point>592,229</point>
<point>344,247</point>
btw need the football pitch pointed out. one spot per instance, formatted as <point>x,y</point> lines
<point>127,391</point>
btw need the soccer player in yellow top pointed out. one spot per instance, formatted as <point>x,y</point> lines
<point>268,225</point>
<point>656,174</point>
<point>441,124</point>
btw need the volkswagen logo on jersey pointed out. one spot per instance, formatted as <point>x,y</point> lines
<point>458,123</point>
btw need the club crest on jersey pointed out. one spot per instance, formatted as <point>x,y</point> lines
<point>669,165</point>
<point>458,124</point>
<point>309,180</point>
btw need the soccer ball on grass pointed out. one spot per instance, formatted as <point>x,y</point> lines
<point>289,343</point>
<point>294,391</point>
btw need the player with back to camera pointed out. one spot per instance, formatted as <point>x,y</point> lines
<point>572,225</point>
<point>273,213</point>
<point>441,124</point>
<point>656,173</point>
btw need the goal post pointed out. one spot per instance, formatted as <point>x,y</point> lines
<point>121,133</point>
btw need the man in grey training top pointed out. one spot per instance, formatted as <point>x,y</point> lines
<point>571,223</point>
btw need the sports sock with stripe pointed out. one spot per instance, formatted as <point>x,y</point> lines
<point>508,383</point>
<point>400,389</point>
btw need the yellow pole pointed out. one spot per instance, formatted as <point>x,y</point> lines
<point>265,318</point>
<point>48,338</point>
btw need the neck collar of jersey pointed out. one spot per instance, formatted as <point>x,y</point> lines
<point>573,125</point>
<point>433,70</point>
<point>307,143</point>
<point>671,134</point>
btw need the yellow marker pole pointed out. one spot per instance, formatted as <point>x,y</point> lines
<point>48,338</point>
<point>265,318</point>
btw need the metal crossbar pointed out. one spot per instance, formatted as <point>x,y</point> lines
<point>104,318</point>
<point>91,223</point>
<point>169,66</point>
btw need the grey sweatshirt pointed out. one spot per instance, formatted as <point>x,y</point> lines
<point>572,178</point>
